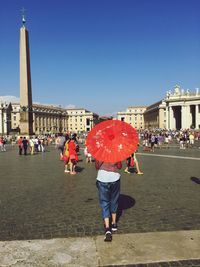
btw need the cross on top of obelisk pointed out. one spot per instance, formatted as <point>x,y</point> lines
<point>23,16</point>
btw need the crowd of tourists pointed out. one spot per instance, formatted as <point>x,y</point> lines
<point>161,138</point>
<point>31,145</point>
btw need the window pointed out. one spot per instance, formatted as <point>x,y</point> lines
<point>87,122</point>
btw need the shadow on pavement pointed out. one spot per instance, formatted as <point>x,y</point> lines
<point>79,169</point>
<point>125,202</point>
<point>195,180</point>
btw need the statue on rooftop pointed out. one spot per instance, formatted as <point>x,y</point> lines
<point>177,90</point>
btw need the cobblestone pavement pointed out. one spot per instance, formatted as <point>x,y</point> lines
<point>39,201</point>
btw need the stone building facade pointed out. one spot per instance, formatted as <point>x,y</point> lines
<point>180,109</point>
<point>81,120</point>
<point>134,115</point>
<point>47,119</point>
<point>154,116</point>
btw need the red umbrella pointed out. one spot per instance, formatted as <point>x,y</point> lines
<point>112,141</point>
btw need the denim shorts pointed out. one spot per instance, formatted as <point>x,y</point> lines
<point>108,197</point>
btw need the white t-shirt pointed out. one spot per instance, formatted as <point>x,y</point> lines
<point>107,177</point>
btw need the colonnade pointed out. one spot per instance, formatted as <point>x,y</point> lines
<point>49,124</point>
<point>183,116</point>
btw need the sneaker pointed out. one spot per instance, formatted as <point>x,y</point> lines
<point>67,171</point>
<point>127,171</point>
<point>108,235</point>
<point>114,227</point>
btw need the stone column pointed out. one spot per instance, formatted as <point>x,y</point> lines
<point>1,122</point>
<point>197,121</point>
<point>183,114</point>
<point>171,119</point>
<point>161,118</point>
<point>189,117</point>
<point>185,117</point>
<point>34,121</point>
<point>45,124</point>
<point>167,118</point>
<point>42,123</point>
<point>5,129</point>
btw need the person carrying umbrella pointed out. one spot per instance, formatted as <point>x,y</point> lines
<point>110,142</point>
<point>108,184</point>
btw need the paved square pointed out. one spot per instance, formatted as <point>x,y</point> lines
<point>39,201</point>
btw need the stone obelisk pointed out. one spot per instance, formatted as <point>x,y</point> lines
<point>26,114</point>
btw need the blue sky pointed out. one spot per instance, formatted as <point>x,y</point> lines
<point>102,55</point>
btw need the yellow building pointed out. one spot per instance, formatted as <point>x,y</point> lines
<point>81,120</point>
<point>134,115</point>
